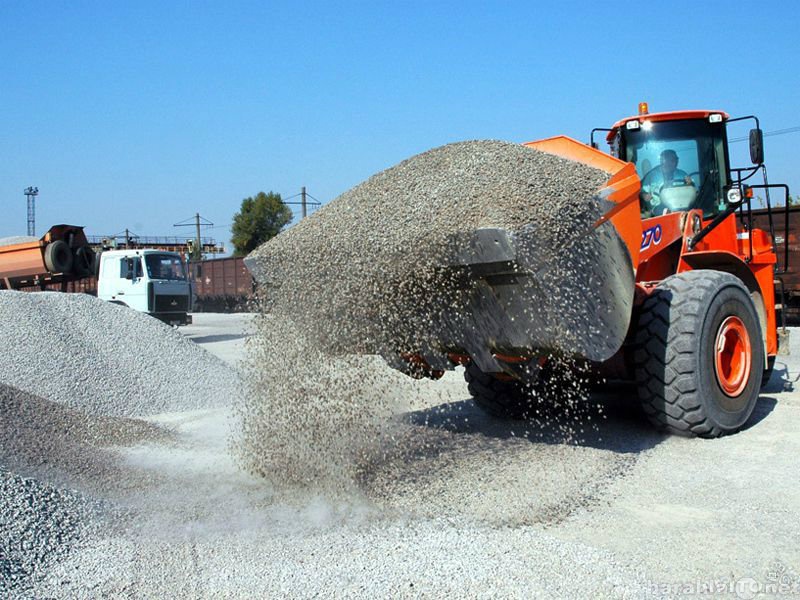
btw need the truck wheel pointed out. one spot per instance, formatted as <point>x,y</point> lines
<point>84,261</point>
<point>57,257</point>
<point>699,354</point>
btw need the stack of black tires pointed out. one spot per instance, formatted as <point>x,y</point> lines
<point>80,262</point>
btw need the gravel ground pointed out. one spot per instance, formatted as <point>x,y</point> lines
<point>225,335</point>
<point>498,510</point>
<point>495,509</point>
<point>39,525</point>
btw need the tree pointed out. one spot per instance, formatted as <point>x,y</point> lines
<point>261,218</point>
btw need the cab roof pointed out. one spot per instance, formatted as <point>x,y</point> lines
<point>675,115</point>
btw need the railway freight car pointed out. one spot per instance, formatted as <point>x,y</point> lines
<point>222,285</point>
<point>787,284</point>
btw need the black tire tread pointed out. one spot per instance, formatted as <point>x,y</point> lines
<point>664,354</point>
<point>503,399</point>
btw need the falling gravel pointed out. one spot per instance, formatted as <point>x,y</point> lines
<point>365,273</point>
<point>104,359</point>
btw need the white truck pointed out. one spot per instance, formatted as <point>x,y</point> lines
<point>150,281</point>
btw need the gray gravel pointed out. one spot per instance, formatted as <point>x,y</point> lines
<point>104,359</point>
<point>73,372</point>
<point>365,275</point>
<point>390,559</point>
<point>362,273</point>
<point>17,239</point>
<point>39,525</point>
<point>65,446</point>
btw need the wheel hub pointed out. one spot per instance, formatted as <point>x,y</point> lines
<point>732,356</point>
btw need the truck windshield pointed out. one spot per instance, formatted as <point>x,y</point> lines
<point>681,165</point>
<point>164,266</point>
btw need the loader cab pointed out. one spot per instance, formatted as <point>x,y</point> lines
<point>681,159</point>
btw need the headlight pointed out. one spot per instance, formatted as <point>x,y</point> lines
<point>734,196</point>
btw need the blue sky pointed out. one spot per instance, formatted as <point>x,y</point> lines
<point>139,114</point>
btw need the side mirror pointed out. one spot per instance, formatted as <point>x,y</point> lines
<point>756,146</point>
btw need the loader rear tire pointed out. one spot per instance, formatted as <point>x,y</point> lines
<point>699,354</point>
<point>58,257</point>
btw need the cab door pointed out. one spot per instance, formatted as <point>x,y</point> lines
<point>130,287</point>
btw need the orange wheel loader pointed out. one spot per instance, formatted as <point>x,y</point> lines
<point>671,287</point>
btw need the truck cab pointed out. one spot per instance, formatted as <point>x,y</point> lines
<point>150,281</point>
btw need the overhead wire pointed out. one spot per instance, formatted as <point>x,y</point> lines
<point>794,129</point>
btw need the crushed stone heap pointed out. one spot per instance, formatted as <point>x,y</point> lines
<point>104,359</point>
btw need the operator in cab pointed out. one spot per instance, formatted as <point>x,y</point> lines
<point>666,175</point>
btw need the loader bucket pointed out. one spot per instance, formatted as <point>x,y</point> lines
<point>524,294</point>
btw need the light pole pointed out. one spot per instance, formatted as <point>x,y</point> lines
<point>31,193</point>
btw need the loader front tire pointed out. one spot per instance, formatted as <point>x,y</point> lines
<point>514,399</point>
<point>503,399</point>
<point>699,354</point>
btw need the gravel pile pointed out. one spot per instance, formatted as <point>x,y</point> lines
<point>365,274</point>
<point>74,371</point>
<point>65,446</point>
<point>17,239</point>
<point>104,359</point>
<point>375,272</point>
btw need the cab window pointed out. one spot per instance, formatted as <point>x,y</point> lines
<point>681,165</point>
<point>132,266</point>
